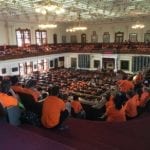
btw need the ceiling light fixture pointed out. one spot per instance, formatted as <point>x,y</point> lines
<point>44,8</point>
<point>78,27</point>
<point>138,25</point>
<point>47,26</point>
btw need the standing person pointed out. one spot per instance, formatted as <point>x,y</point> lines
<point>53,111</point>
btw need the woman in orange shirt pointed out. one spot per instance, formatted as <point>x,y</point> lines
<point>116,112</point>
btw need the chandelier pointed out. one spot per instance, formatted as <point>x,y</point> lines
<point>138,25</point>
<point>44,8</point>
<point>78,27</point>
<point>47,26</point>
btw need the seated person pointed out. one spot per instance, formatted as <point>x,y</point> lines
<point>15,85</point>
<point>53,111</point>
<point>131,105</point>
<point>116,112</point>
<point>6,99</point>
<point>145,97</point>
<point>30,89</point>
<point>77,109</point>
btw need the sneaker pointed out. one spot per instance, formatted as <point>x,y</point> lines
<point>63,127</point>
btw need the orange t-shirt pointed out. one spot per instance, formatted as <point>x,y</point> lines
<point>131,106</point>
<point>144,98</point>
<point>7,100</point>
<point>35,94</point>
<point>76,105</point>
<point>115,115</point>
<point>52,107</point>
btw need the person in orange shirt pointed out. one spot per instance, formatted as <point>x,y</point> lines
<point>145,97</point>
<point>5,99</point>
<point>15,86</point>
<point>30,89</point>
<point>131,105</point>
<point>77,109</point>
<point>53,111</point>
<point>116,112</point>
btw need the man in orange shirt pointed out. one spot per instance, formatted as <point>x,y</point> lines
<point>53,112</point>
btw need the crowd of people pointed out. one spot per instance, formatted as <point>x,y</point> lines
<point>62,93</point>
<point>9,52</point>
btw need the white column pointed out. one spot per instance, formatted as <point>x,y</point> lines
<point>7,32</point>
<point>116,64</point>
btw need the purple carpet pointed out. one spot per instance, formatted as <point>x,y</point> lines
<point>94,135</point>
<point>13,138</point>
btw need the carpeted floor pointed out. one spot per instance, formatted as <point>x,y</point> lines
<point>95,135</point>
<point>14,138</point>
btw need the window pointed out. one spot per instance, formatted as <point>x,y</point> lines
<point>41,37</point>
<point>35,66</point>
<point>96,63</point>
<point>51,63</point>
<point>94,37</point>
<point>106,37</point>
<point>23,37</point>
<point>73,39</point>
<point>140,62</point>
<point>3,70</point>
<point>133,37</point>
<point>84,61</point>
<point>83,38</point>
<point>14,69</point>
<point>124,65</point>
<point>147,37</point>
<point>119,37</point>
<point>73,62</point>
<point>64,40</point>
<point>55,38</point>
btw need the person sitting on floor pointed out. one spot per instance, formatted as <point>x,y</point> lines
<point>53,111</point>
<point>30,89</point>
<point>116,111</point>
<point>5,99</point>
<point>132,104</point>
<point>77,109</point>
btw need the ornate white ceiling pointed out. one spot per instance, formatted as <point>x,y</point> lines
<point>89,10</point>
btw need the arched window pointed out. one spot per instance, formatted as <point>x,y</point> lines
<point>133,37</point>
<point>23,37</point>
<point>94,37</point>
<point>147,37</point>
<point>41,37</point>
<point>119,37</point>
<point>55,38</point>
<point>83,38</point>
<point>106,37</point>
